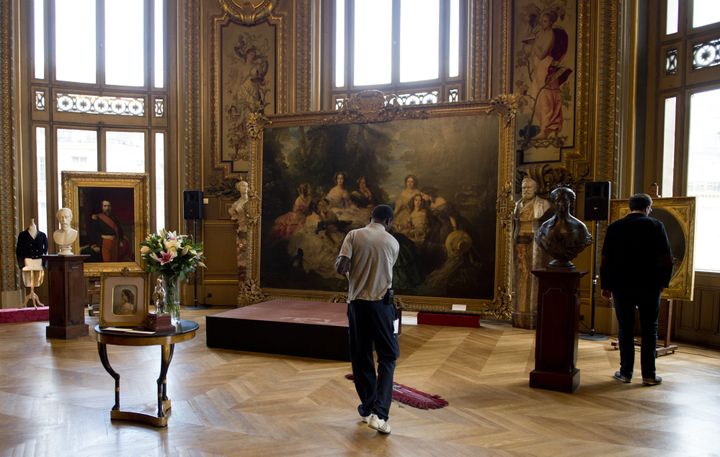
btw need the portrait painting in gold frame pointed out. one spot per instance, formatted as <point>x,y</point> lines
<point>111,214</point>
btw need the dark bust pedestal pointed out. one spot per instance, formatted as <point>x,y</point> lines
<point>556,338</point>
<point>67,296</point>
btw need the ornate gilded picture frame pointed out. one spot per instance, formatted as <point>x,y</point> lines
<point>111,213</point>
<point>317,176</point>
<point>678,216</point>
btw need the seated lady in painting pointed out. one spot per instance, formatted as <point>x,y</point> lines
<point>402,211</point>
<point>362,197</point>
<point>318,241</point>
<point>289,223</point>
<point>416,227</point>
<point>127,303</point>
<point>338,197</point>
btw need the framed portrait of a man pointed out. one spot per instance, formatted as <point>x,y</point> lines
<point>112,217</point>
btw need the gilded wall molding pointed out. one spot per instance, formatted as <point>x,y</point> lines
<point>480,54</point>
<point>191,148</point>
<point>372,106</point>
<point>247,12</point>
<point>8,204</point>
<point>303,55</point>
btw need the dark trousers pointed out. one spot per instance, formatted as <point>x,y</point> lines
<point>371,323</point>
<point>648,305</point>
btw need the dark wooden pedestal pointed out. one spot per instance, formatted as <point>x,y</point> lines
<point>67,296</point>
<point>556,337</point>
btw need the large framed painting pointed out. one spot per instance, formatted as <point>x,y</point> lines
<point>111,213</point>
<point>678,216</point>
<point>545,74</point>
<point>446,172</point>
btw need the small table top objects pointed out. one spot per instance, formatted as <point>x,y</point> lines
<point>122,336</point>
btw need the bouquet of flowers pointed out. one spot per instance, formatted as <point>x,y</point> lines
<point>173,257</point>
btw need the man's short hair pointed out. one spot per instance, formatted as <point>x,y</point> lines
<point>382,213</point>
<point>639,202</point>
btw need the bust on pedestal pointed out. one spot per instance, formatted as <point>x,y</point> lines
<point>66,284</point>
<point>66,235</point>
<point>563,237</point>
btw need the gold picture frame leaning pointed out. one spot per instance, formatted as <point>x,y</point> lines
<point>678,216</point>
<point>123,299</point>
<point>111,213</point>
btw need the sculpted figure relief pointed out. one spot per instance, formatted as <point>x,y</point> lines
<point>66,235</point>
<point>236,209</point>
<point>530,211</point>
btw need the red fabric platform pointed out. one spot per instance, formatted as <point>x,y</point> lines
<point>290,327</point>
<point>24,314</point>
<point>450,320</point>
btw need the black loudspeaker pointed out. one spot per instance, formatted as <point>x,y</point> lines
<point>193,204</point>
<point>597,200</point>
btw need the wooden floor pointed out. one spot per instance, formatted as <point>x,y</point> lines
<point>55,400</point>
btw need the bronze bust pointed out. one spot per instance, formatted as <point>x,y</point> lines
<point>563,236</point>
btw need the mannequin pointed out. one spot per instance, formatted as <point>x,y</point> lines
<point>31,244</point>
<point>66,235</point>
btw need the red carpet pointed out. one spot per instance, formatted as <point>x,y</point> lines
<point>450,320</point>
<point>24,314</point>
<point>413,397</point>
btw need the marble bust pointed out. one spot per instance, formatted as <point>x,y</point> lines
<point>236,209</point>
<point>563,236</point>
<point>66,235</point>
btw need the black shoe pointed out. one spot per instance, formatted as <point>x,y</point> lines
<point>620,377</point>
<point>652,381</point>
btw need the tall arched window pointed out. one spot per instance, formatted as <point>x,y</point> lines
<point>683,137</point>
<point>414,49</point>
<point>98,94</point>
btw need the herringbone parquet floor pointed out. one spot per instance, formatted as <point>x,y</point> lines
<point>55,399</point>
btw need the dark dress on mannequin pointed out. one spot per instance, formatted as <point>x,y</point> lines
<point>31,248</point>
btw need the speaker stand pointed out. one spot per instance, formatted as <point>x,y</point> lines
<point>196,302</point>
<point>592,335</point>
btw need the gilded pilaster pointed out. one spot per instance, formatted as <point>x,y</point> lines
<point>8,207</point>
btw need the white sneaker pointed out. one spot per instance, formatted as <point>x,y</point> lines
<point>365,419</point>
<point>380,425</point>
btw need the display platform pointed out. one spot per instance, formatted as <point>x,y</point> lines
<point>288,327</point>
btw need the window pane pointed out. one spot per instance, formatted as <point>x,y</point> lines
<point>703,177</point>
<point>339,43</point>
<point>124,49</point>
<point>705,12</point>
<point>159,180</point>
<point>668,159</point>
<point>75,37</point>
<point>41,216</point>
<point>672,17</point>
<point>373,42</point>
<point>454,57</point>
<point>125,151</point>
<point>76,151</point>
<point>159,43</point>
<point>419,40</point>
<point>39,38</point>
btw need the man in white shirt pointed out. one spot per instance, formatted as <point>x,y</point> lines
<point>367,257</point>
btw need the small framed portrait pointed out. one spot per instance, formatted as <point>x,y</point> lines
<point>124,300</point>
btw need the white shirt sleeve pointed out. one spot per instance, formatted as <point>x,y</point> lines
<point>346,249</point>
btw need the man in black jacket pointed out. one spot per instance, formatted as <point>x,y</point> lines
<point>636,266</point>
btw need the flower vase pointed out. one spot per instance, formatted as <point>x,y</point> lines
<point>171,284</point>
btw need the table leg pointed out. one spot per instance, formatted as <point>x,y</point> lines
<point>102,350</point>
<point>166,354</point>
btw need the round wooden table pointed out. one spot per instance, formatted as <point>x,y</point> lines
<point>185,331</point>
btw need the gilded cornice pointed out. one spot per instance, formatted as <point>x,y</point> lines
<point>8,210</point>
<point>370,106</point>
<point>247,12</point>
